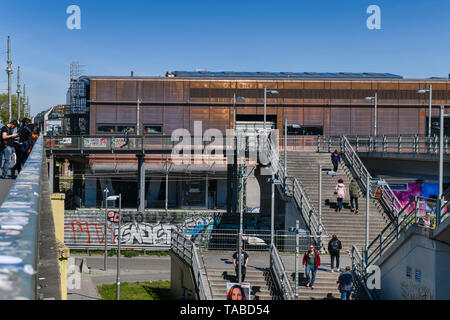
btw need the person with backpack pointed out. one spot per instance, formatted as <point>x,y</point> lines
<point>311,261</point>
<point>7,145</point>
<point>334,247</point>
<point>345,284</point>
<point>354,195</point>
<point>23,144</point>
<point>340,192</point>
<point>335,160</point>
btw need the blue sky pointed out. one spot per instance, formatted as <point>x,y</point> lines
<point>152,37</point>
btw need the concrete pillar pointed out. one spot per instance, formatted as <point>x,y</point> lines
<point>141,183</point>
<point>57,203</point>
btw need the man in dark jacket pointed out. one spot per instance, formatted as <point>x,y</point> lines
<point>335,159</point>
<point>311,261</point>
<point>334,247</point>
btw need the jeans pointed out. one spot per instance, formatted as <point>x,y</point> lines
<point>356,202</point>
<point>243,270</point>
<point>7,152</point>
<point>335,166</point>
<point>314,271</point>
<point>345,295</point>
<point>333,257</point>
<point>340,203</point>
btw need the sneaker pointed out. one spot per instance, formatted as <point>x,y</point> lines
<point>332,270</point>
<point>308,284</point>
<point>357,211</point>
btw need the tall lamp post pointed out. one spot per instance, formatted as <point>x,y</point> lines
<point>331,173</point>
<point>265,103</point>
<point>297,252</point>
<point>118,243</point>
<point>430,107</point>
<point>241,223</point>
<point>375,98</point>
<point>106,191</point>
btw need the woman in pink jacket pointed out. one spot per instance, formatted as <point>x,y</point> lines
<point>341,192</point>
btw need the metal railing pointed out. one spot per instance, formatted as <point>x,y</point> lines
<point>20,231</point>
<point>187,251</point>
<point>297,191</point>
<point>279,273</point>
<point>253,240</point>
<point>388,199</point>
<point>359,271</point>
<point>411,214</point>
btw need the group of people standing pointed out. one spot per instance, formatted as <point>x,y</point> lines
<point>341,190</point>
<point>16,142</point>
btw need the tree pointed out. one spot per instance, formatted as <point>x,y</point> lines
<point>4,108</point>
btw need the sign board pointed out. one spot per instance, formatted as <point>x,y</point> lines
<point>236,291</point>
<point>94,142</point>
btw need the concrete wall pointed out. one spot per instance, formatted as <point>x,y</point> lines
<point>181,276</point>
<point>417,253</point>
<point>253,192</point>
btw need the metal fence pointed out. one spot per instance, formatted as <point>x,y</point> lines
<point>253,240</point>
<point>281,277</point>
<point>19,219</point>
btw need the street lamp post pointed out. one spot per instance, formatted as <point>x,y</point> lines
<point>430,107</point>
<point>138,117</point>
<point>106,191</point>
<point>442,115</point>
<point>297,254</point>
<point>376,112</point>
<point>265,103</point>
<point>118,244</point>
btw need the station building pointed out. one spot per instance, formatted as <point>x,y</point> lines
<point>312,104</point>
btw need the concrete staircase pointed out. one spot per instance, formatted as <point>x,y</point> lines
<point>348,226</point>
<point>260,281</point>
<point>325,286</point>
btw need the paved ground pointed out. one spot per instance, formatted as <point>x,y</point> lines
<point>131,270</point>
<point>5,185</point>
<point>158,268</point>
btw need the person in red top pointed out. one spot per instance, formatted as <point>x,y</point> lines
<point>311,261</point>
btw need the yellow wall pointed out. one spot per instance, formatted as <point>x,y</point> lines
<point>57,201</point>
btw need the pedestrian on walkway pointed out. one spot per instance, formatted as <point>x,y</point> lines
<point>334,247</point>
<point>345,284</point>
<point>7,144</point>
<point>126,137</point>
<point>311,261</point>
<point>244,263</point>
<point>427,219</point>
<point>340,192</point>
<point>354,195</point>
<point>335,160</point>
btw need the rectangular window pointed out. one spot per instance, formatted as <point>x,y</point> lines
<point>115,129</point>
<point>435,126</point>
<point>106,128</point>
<point>153,129</point>
<point>418,275</point>
<point>299,130</point>
<point>408,272</point>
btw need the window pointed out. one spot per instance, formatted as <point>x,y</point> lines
<point>117,129</point>
<point>299,130</point>
<point>153,129</point>
<point>105,128</point>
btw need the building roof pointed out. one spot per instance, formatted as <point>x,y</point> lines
<point>282,75</point>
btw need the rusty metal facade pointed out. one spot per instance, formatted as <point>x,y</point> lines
<point>338,106</point>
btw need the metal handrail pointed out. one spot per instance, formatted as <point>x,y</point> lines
<point>298,192</point>
<point>393,230</point>
<point>389,200</point>
<point>280,274</point>
<point>359,270</point>
<point>187,251</point>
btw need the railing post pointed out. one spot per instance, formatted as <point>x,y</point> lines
<point>429,145</point>
<point>318,144</point>
<point>384,144</point>
<point>381,243</point>
<point>399,143</point>
<point>329,144</point>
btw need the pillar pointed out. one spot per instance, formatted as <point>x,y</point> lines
<point>57,203</point>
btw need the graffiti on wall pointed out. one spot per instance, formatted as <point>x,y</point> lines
<point>412,291</point>
<point>136,229</point>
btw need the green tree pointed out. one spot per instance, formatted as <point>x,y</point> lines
<point>4,108</point>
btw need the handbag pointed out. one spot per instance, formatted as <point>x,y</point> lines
<point>13,160</point>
